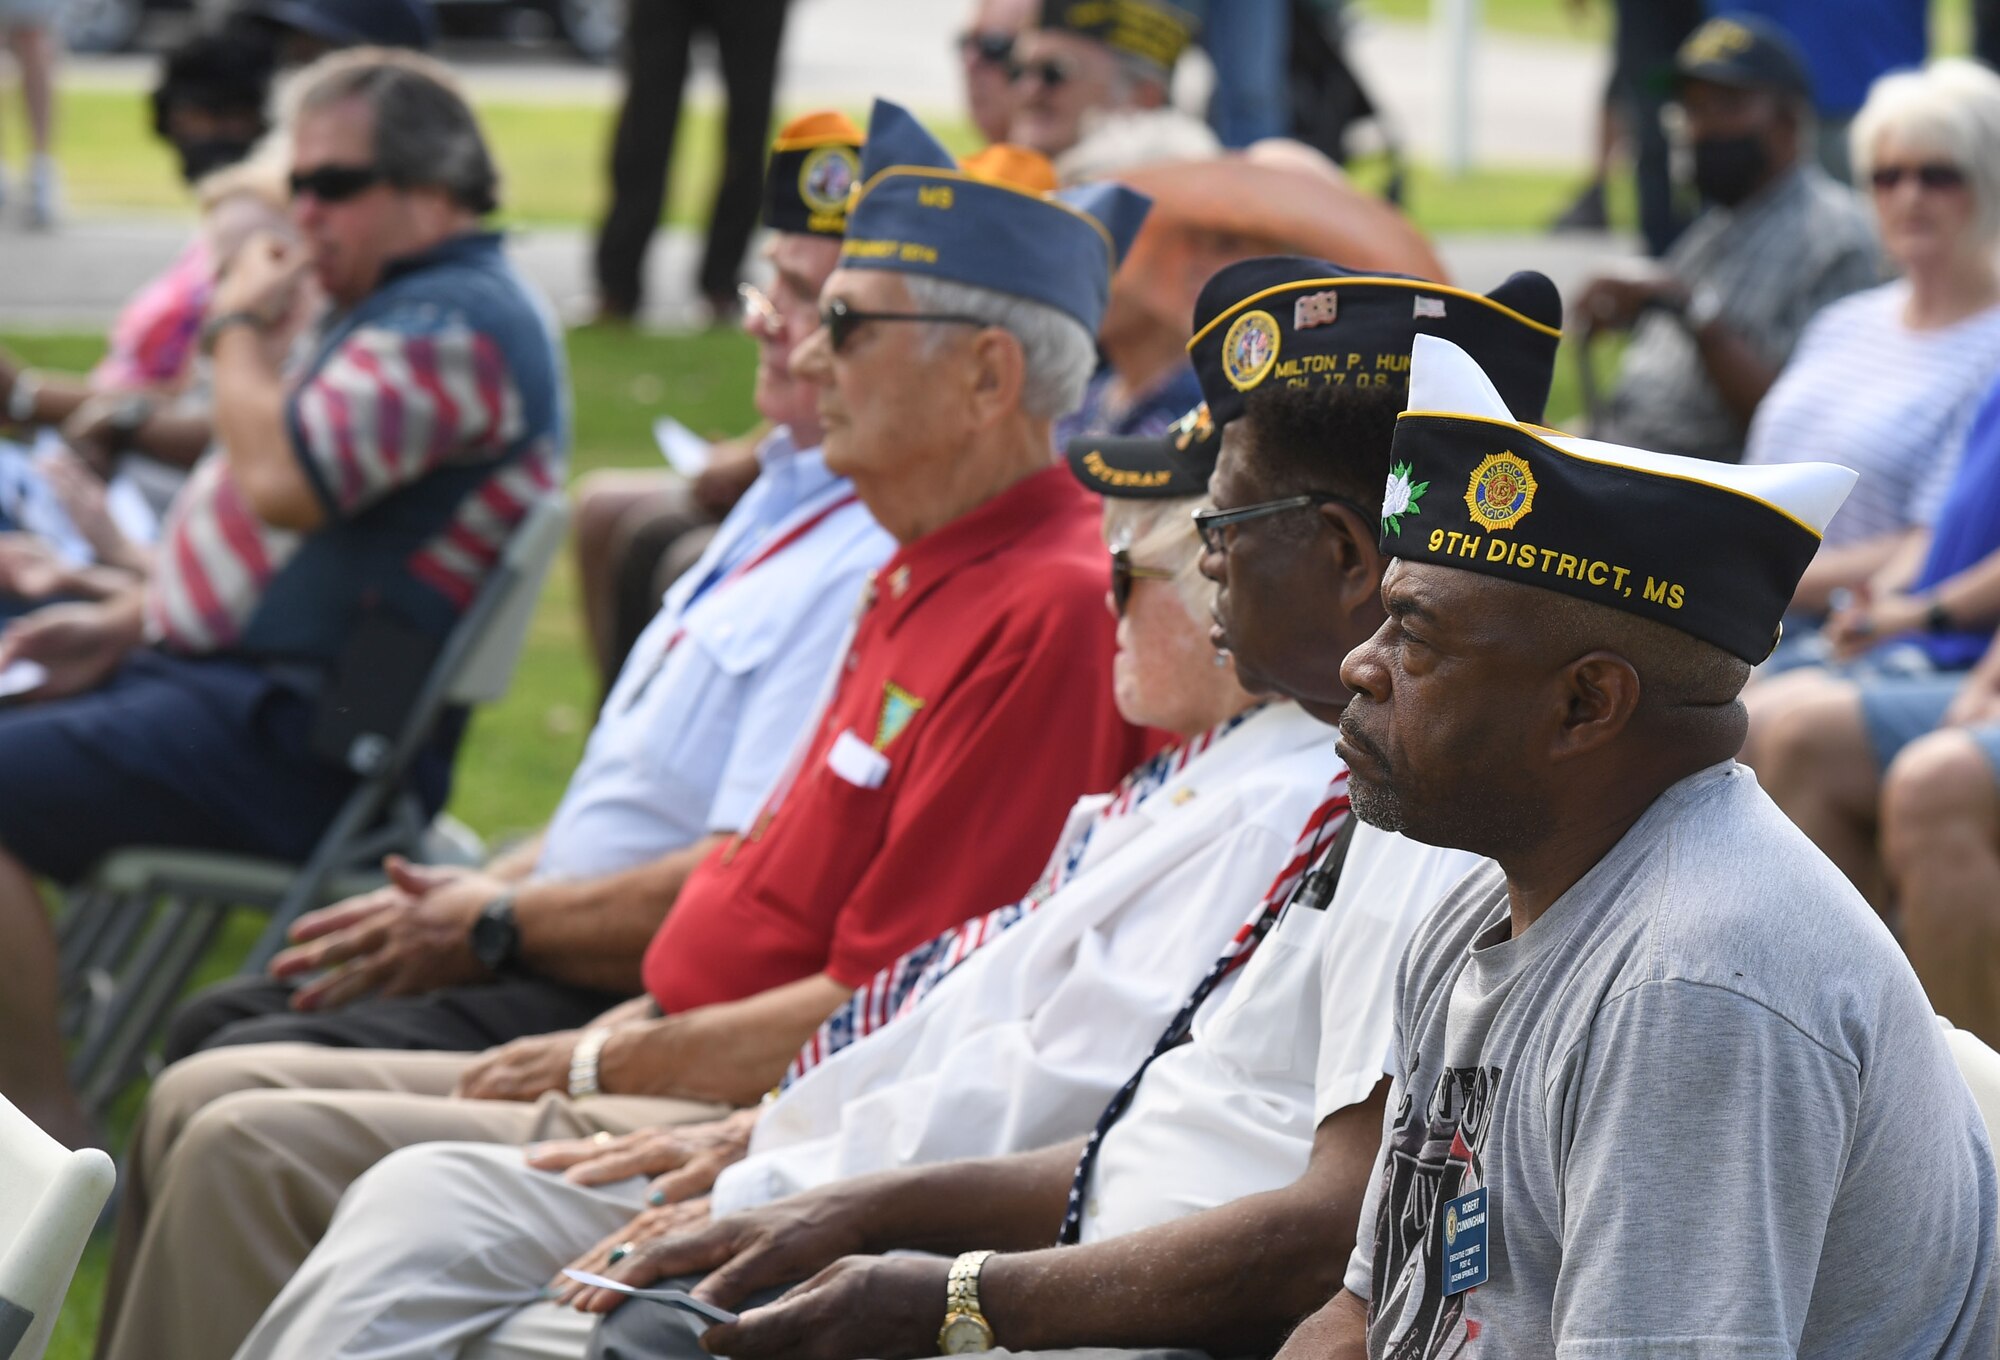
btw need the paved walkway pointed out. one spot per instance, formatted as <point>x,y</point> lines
<point>1534,99</point>
<point>78,277</point>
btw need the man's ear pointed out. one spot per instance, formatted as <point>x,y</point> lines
<point>1600,691</point>
<point>999,371</point>
<point>1356,546</point>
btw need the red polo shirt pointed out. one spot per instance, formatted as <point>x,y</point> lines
<point>973,707</point>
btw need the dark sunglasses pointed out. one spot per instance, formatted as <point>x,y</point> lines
<point>1048,71</point>
<point>335,183</point>
<point>1212,525</point>
<point>1124,572</point>
<point>841,320</point>
<point>1931,175</point>
<point>990,49</point>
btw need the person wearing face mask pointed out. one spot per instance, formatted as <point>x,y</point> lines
<point>1777,240</point>
<point>209,109</point>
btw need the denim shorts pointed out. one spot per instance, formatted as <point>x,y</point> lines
<point>1895,711</point>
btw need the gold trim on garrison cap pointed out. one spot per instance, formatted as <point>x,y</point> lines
<point>1712,549</point>
<point>1150,30</point>
<point>1311,323</point>
<point>1147,467</point>
<point>815,165</point>
<point>918,212</point>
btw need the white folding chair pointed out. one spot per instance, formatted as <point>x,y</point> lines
<point>1980,1066</point>
<point>136,930</point>
<point>49,1201</point>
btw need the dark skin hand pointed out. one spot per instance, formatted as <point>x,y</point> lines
<point>1012,1201</point>
<point>1231,1280</point>
<point>1338,1331</point>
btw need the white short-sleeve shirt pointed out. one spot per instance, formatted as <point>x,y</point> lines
<point>719,686</point>
<point>1303,1029</point>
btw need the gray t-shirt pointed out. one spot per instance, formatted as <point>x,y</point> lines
<point>1711,1108</point>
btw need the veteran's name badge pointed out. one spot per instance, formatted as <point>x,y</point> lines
<point>1465,1243</point>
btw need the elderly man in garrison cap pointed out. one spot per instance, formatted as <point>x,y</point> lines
<point>1091,86</point>
<point>972,707</point>
<point>1665,1085</point>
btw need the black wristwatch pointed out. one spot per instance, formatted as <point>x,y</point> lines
<point>496,935</point>
<point>1937,619</point>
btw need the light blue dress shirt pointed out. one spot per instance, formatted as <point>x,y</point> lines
<point>722,682</point>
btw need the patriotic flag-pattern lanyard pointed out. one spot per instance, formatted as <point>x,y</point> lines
<point>1309,877</point>
<point>896,990</point>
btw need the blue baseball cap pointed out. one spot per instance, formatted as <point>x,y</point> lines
<point>918,212</point>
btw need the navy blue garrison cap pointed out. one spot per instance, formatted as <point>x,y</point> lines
<point>1287,320</point>
<point>918,213</point>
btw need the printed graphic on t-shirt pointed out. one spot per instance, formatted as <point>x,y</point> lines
<point>1433,1160</point>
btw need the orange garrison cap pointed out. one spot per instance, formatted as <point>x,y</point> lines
<point>1005,163</point>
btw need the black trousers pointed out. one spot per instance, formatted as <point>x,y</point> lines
<point>658,35</point>
<point>1649,32</point>
<point>256,1010</point>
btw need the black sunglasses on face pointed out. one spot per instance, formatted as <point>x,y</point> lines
<point>1048,71</point>
<point>841,320</point>
<point>1124,572</point>
<point>1213,524</point>
<point>1931,175</point>
<point>335,183</point>
<point>990,49</point>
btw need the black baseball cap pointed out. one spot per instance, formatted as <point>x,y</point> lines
<point>1746,52</point>
<point>353,23</point>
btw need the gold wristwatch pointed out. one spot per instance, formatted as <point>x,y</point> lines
<point>965,1328</point>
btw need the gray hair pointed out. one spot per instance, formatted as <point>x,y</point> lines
<point>1162,534</point>
<point>425,133</point>
<point>1059,355</point>
<point>1951,107</point>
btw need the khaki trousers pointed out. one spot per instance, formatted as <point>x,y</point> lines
<point>242,1155</point>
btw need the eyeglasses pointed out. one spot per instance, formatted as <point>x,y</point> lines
<point>335,183</point>
<point>1124,572</point>
<point>1048,71</point>
<point>758,309</point>
<point>989,49</point>
<point>1212,524</point>
<point>841,320</point>
<point>1935,175</point>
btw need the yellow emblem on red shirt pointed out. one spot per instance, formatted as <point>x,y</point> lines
<point>899,706</point>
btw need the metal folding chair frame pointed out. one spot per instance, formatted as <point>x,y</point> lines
<point>132,934</point>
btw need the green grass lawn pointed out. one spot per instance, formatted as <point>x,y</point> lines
<point>550,156</point>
